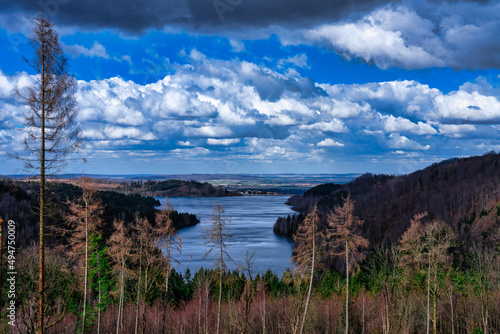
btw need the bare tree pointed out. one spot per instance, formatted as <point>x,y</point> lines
<point>84,221</point>
<point>307,240</point>
<point>167,239</point>
<point>143,228</point>
<point>151,258</point>
<point>50,134</point>
<point>120,246</point>
<point>426,247</point>
<point>216,237</point>
<point>343,230</point>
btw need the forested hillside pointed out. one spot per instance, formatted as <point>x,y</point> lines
<point>174,188</point>
<point>18,201</point>
<point>462,192</point>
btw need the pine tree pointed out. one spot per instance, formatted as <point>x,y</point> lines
<point>49,127</point>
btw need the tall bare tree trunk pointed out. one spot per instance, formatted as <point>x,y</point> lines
<point>200,308</point>
<point>310,282</point>
<point>138,291</point>
<point>451,307</point>
<point>1,263</point>
<point>86,267</point>
<point>164,327</point>
<point>220,288</point>
<point>428,296</point>
<point>99,309</point>
<point>434,305</point>
<point>143,325</point>
<point>42,197</point>
<point>264,314</point>
<point>347,288</point>
<point>207,291</point>
<point>122,292</point>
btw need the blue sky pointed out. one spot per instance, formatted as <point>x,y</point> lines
<point>266,87</point>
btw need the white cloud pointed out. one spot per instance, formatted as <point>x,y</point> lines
<point>456,130</point>
<point>332,126</point>
<point>223,142</point>
<point>299,60</point>
<point>472,107</point>
<point>184,143</point>
<point>401,142</point>
<point>238,46</point>
<point>76,50</point>
<point>328,142</point>
<point>400,124</point>
<point>208,131</point>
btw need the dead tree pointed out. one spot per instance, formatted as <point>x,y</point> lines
<point>307,240</point>
<point>50,133</point>
<point>426,249</point>
<point>346,241</point>
<point>216,237</point>
<point>84,221</point>
<point>120,246</point>
<point>168,241</point>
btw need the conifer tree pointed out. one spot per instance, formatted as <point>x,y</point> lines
<point>50,133</point>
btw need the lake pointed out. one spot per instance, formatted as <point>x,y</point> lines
<point>249,219</point>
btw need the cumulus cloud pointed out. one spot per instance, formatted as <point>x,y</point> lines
<point>223,142</point>
<point>402,142</point>
<point>468,107</point>
<point>400,124</point>
<point>376,39</point>
<point>456,130</point>
<point>330,143</point>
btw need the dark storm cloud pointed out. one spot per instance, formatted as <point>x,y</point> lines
<point>205,15</point>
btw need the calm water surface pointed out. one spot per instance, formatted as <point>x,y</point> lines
<point>249,220</point>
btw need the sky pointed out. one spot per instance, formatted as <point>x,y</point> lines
<point>261,86</point>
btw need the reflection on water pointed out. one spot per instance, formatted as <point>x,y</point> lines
<point>250,222</point>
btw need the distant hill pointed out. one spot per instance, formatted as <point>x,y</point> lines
<point>175,188</point>
<point>244,183</point>
<point>463,192</point>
